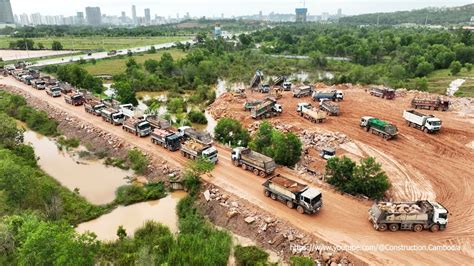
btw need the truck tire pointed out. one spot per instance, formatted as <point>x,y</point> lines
<point>300,209</point>
<point>393,227</point>
<point>425,130</point>
<point>244,166</point>
<point>418,228</point>
<point>434,228</point>
<point>273,196</point>
<point>290,204</point>
<point>267,193</point>
<point>263,174</point>
<point>236,163</point>
<point>255,171</point>
<point>382,227</point>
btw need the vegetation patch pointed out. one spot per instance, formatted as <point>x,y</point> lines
<point>250,256</point>
<point>231,131</point>
<point>129,194</point>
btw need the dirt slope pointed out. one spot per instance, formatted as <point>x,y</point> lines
<point>343,220</point>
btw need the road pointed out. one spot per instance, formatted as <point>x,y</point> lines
<point>342,220</point>
<point>102,55</point>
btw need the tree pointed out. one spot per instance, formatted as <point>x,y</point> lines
<point>197,117</point>
<point>318,59</point>
<point>176,105</point>
<point>40,46</point>
<point>10,135</point>
<point>25,44</point>
<point>138,161</point>
<point>398,72</point>
<point>423,69</point>
<point>121,232</point>
<point>286,148</point>
<point>151,65</point>
<point>421,84</point>
<point>339,170</point>
<point>192,172</point>
<point>455,67</point>
<point>231,131</point>
<point>56,46</point>
<point>370,179</point>
<point>263,138</point>
<point>125,93</point>
<point>468,67</point>
<point>152,50</point>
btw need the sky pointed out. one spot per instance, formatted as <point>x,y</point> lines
<point>229,8</point>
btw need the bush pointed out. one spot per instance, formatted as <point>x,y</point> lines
<point>301,261</point>
<point>367,178</point>
<point>231,131</point>
<point>130,194</point>
<point>455,67</point>
<point>250,256</point>
<point>197,117</point>
<point>116,162</point>
<point>56,46</point>
<point>68,143</point>
<point>138,161</point>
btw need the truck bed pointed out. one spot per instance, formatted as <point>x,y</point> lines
<point>287,183</point>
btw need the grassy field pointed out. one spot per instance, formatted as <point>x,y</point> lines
<point>439,81</point>
<point>97,42</point>
<point>116,65</point>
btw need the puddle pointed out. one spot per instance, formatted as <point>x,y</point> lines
<point>96,182</point>
<point>134,216</point>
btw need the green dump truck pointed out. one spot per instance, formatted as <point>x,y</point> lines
<point>379,127</point>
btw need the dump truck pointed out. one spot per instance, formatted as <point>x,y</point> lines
<point>294,194</point>
<point>75,99</point>
<point>128,110</point>
<point>250,104</point>
<point>287,86</point>
<point>386,93</point>
<point>330,107</point>
<point>111,103</point>
<point>253,161</point>
<point>38,84</point>
<point>138,127</point>
<point>412,215</point>
<point>437,103</point>
<point>278,81</point>
<point>166,139</point>
<point>158,122</point>
<point>264,88</point>
<point>94,107</point>
<point>327,153</point>
<point>313,115</point>
<point>186,133</point>
<point>379,127</point>
<point>257,78</point>
<point>112,116</point>
<point>300,106</point>
<point>302,91</point>
<point>193,149</point>
<point>266,109</point>
<point>334,95</point>
<point>54,91</point>
<point>426,123</point>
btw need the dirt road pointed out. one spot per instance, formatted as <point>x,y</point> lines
<point>343,221</point>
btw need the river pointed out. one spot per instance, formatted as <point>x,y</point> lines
<point>95,181</point>
<point>134,216</point>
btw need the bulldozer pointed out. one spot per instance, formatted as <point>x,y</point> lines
<point>275,93</point>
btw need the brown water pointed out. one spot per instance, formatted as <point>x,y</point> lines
<point>134,216</point>
<point>95,181</point>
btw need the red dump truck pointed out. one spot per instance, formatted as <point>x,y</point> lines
<point>75,99</point>
<point>386,93</point>
<point>437,103</point>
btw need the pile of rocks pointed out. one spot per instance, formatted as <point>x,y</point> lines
<point>319,139</point>
<point>220,107</point>
<point>252,128</point>
<point>465,106</point>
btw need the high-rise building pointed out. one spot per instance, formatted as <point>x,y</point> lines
<point>6,13</point>
<point>94,17</point>
<point>301,14</point>
<point>36,19</point>
<point>134,14</point>
<point>24,19</point>
<point>80,18</point>
<point>339,13</point>
<point>147,16</point>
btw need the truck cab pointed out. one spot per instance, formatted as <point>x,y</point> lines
<point>364,121</point>
<point>54,91</point>
<point>264,88</point>
<point>433,124</point>
<point>278,108</point>
<point>327,153</point>
<point>143,128</point>
<point>211,154</point>
<point>287,86</point>
<point>440,214</point>
<point>97,108</point>
<point>311,200</point>
<point>339,95</point>
<point>300,106</point>
<point>181,131</point>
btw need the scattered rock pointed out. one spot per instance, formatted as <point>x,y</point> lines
<point>207,195</point>
<point>250,220</point>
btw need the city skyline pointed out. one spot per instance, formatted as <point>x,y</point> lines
<point>230,8</point>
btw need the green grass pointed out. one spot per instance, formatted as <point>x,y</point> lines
<point>97,42</point>
<point>439,80</point>
<point>116,65</point>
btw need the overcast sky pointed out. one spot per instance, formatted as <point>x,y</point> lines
<point>228,7</point>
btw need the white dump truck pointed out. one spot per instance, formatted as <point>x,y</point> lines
<point>426,123</point>
<point>253,161</point>
<point>113,116</point>
<point>137,127</point>
<point>193,149</point>
<point>414,215</point>
<point>313,115</point>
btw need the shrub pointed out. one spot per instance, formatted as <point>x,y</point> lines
<point>301,261</point>
<point>68,143</point>
<point>231,131</point>
<point>455,67</point>
<point>130,194</point>
<point>197,117</point>
<point>138,161</point>
<point>250,256</point>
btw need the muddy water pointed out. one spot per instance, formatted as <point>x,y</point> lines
<point>96,182</point>
<point>134,216</point>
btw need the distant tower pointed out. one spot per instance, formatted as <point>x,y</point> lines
<point>339,13</point>
<point>147,16</point>
<point>217,31</point>
<point>301,14</point>
<point>6,13</point>
<point>134,14</point>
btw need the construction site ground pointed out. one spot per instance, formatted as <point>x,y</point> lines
<point>419,166</point>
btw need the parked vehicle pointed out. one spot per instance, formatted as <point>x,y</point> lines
<point>278,81</point>
<point>157,122</point>
<point>294,194</point>
<point>128,110</point>
<point>266,109</point>
<point>186,133</point>
<point>39,84</point>
<point>426,123</point>
<point>193,149</point>
<point>437,103</point>
<point>330,107</point>
<point>112,52</point>
<point>379,127</point>
<point>94,107</point>
<point>413,215</point>
<point>111,103</point>
<point>300,106</point>
<point>166,139</point>
<point>327,153</point>
<point>302,91</point>
<point>264,88</point>
<point>75,99</point>
<point>313,115</point>
<point>27,79</point>
<point>253,161</point>
<point>257,78</point>
<point>334,95</point>
<point>250,104</point>
<point>137,127</point>
<point>287,86</point>
<point>54,91</point>
<point>112,116</point>
<point>386,93</point>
